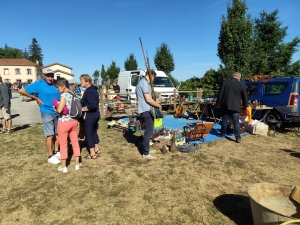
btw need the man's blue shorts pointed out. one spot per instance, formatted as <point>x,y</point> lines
<point>50,124</point>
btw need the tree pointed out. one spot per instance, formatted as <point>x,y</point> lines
<point>210,81</point>
<point>271,55</point>
<point>25,54</point>
<point>235,40</point>
<point>113,70</point>
<point>35,52</point>
<point>103,72</point>
<point>130,63</point>
<point>163,59</point>
<point>10,53</point>
<point>96,75</point>
<point>173,80</point>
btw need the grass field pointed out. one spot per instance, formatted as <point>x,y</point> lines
<point>208,186</point>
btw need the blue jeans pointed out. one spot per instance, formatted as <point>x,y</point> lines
<point>49,123</point>
<point>148,123</point>
<point>235,116</point>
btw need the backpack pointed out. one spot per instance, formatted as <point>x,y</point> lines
<point>76,108</point>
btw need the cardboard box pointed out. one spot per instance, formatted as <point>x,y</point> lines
<point>158,122</point>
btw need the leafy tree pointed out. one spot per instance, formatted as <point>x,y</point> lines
<point>190,84</point>
<point>235,40</point>
<point>103,72</point>
<point>210,81</point>
<point>163,59</point>
<point>25,54</point>
<point>35,52</point>
<point>271,55</point>
<point>96,75</point>
<point>113,70</point>
<point>10,53</point>
<point>130,63</point>
<point>173,80</point>
<point>294,69</point>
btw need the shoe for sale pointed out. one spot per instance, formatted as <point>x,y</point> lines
<point>64,170</point>
<point>77,166</point>
<point>111,123</point>
<point>53,160</point>
<point>148,156</point>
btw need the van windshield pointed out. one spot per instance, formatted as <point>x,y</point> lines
<point>162,82</point>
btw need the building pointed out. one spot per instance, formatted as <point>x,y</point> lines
<point>61,70</point>
<point>19,70</point>
<point>25,71</point>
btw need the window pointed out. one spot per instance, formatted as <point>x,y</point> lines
<point>252,89</point>
<point>162,82</point>
<point>6,71</point>
<point>28,71</point>
<point>18,72</point>
<point>134,79</point>
<point>29,81</point>
<point>57,76</point>
<point>274,88</point>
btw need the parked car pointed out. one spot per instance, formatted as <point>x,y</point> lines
<point>273,92</point>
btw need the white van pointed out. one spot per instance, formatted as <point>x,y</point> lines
<point>127,80</point>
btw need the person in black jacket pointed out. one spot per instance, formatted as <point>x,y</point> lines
<point>231,95</point>
<point>90,109</point>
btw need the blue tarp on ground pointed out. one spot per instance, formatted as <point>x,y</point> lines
<point>171,123</point>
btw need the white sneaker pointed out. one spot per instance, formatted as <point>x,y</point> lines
<point>53,160</point>
<point>148,156</point>
<point>60,169</point>
<point>57,155</point>
<point>77,166</point>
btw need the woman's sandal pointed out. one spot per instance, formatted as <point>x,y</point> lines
<point>3,131</point>
<point>8,131</point>
<point>98,151</point>
<point>90,157</point>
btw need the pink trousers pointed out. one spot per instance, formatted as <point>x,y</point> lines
<point>65,129</point>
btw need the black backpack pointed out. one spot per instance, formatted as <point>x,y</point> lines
<point>76,108</point>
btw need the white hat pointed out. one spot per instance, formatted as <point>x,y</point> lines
<point>47,71</point>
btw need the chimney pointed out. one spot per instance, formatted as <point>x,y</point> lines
<point>37,62</point>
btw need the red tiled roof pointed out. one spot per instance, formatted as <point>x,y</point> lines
<point>17,62</point>
<point>56,63</point>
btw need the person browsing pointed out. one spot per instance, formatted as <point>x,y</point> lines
<point>44,92</point>
<point>231,95</point>
<point>145,101</point>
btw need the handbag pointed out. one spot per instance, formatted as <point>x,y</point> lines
<point>155,112</point>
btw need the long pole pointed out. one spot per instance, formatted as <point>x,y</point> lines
<point>147,64</point>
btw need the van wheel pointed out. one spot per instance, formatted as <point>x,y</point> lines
<point>272,115</point>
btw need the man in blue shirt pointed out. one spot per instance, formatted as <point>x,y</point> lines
<point>44,92</point>
<point>145,101</point>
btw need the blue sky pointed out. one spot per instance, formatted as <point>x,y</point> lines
<point>84,34</point>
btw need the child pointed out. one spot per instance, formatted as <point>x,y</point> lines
<point>66,126</point>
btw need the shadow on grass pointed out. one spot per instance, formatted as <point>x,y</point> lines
<point>292,153</point>
<point>25,126</point>
<point>82,144</point>
<point>132,137</point>
<point>235,207</point>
